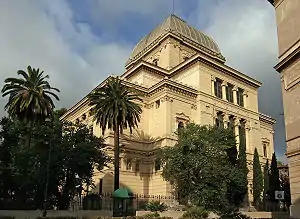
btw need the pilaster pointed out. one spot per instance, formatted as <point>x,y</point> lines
<point>235,89</point>
<point>224,85</point>
<point>213,79</point>
<point>236,130</point>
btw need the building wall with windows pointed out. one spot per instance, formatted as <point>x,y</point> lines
<point>185,79</point>
<point>288,29</point>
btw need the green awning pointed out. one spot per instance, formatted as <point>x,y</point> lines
<point>122,193</point>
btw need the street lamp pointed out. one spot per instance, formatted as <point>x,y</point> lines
<point>44,214</point>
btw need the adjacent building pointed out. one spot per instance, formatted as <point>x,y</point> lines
<point>184,77</point>
<point>288,26</point>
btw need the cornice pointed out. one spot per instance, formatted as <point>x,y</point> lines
<point>229,71</point>
<point>267,119</point>
<point>163,84</point>
<point>200,58</point>
<point>295,55</point>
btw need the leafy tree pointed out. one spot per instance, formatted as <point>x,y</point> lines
<point>274,178</point>
<point>30,97</point>
<point>203,165</point>
<point>115,107</point>
<point>74,156</point>
<point>257,180</point>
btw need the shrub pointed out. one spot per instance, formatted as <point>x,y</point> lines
<point>234,215</point>
<point>195,213</point>
<point>156,206</point>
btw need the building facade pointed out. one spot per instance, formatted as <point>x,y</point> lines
<point>185,79</point>
<point>288,29</point>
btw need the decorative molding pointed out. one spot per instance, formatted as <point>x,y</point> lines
<point>181,116</point>
<point>265,140</point>
<point>194,107</point>
<point>167,99</point>
<point>149,106</point>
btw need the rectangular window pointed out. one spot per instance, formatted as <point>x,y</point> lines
<point>229,93</point>
<point>219,120</point>
<point>128,164</point>
<point>231,123</point>
<point>242,133</point>
<point>157,164</point>
<point>137,165</point>
<point>240,97</point>
<point>218,88</point>
<point>265,150</point>
<point>101,186</point>
<point>157,104</point>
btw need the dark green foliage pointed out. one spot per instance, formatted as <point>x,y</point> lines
<point>257,179</point>
<point>30,96</point>
<point>74,156</point>
<point>114,106</point>
<point>203,167</point>
<point>285,186</point>
<point>266,183</point>
<point>243,161</point>
<point>156,206</point>
<point>274,178</point>
<point>195,213</point>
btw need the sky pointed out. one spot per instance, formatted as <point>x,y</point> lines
<point>79,43</point>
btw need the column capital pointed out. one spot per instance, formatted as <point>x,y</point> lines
<point>213,78</point>
<point>224,83</point>
<point>235,88</point>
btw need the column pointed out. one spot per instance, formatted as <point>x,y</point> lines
<point>224,84</point>
<point>213,79</point>
<point>245,98</point>
<point>236,130</point>
<point>235,89</point>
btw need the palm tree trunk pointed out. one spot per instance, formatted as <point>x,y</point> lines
<point>117,158</point>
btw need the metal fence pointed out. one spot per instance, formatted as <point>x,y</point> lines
<point>105,201</point>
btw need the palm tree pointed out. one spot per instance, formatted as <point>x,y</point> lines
<point>114,106</point>
<point>29,97</point>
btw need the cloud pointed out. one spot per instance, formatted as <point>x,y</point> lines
<point>43,34</point>
<point>79,43</point>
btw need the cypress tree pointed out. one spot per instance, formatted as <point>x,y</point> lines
<point>266,183</point>
<point>243,160</point>
<point>274,184</point>
<point>257,180</point>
